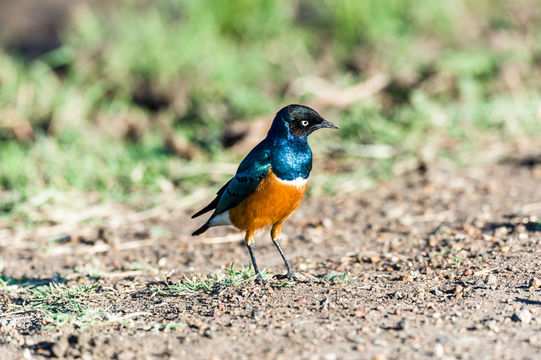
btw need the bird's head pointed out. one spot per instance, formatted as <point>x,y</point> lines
<point>302,120</point>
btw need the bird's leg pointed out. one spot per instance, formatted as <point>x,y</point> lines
<point>249,239</point>
<point>275,235</point>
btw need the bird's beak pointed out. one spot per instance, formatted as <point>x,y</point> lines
<point>328,124</point>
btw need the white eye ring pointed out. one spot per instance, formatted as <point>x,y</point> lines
<point>304,123</point>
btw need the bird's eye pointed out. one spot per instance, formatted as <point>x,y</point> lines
<point>304,123</point>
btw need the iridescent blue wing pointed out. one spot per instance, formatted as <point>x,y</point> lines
<point>252,170</point>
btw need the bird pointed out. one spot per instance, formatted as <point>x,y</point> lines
<point>269,183</point>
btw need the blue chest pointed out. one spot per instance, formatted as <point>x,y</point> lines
<point>291,159</point>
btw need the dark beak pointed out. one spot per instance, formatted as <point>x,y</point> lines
<point>327,124</point>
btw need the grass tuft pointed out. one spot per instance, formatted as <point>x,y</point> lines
<point>230,278</point>
<point>60,304</point>
<point>336,278</point>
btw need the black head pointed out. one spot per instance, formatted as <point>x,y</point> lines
<point>304,120</point>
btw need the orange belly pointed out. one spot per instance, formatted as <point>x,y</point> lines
<point>271,203</point>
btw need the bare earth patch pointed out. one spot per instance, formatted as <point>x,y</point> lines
<point>434,264</point>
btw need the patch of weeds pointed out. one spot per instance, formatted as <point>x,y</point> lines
<point>335,278</point>
<point>61,304</point>
<point>232,277</point>
<point>457,260</point>
<point>82,318</point>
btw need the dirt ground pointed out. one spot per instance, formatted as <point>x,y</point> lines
<point>440,264</point>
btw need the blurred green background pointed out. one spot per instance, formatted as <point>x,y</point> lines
<point>127,100</point>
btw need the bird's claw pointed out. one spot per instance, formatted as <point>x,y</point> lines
<point>259,280</point>
<point>290,276</point>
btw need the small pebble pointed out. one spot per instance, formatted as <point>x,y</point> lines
<point>512,268</point>
<point>406,278</point>
<point>535,283</point>
<point>459,291</point>
<point>257,314</point>
<point>468,272</point>
<point>524,316</point>
<point>360,312</point>
<point>492,325</point>
<point>491,279</point>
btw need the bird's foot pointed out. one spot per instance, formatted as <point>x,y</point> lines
<point>259,279</point>
<point>290,276</point>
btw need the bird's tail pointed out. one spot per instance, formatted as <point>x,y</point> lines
<point>207,208</point>
<point>202,229</point>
